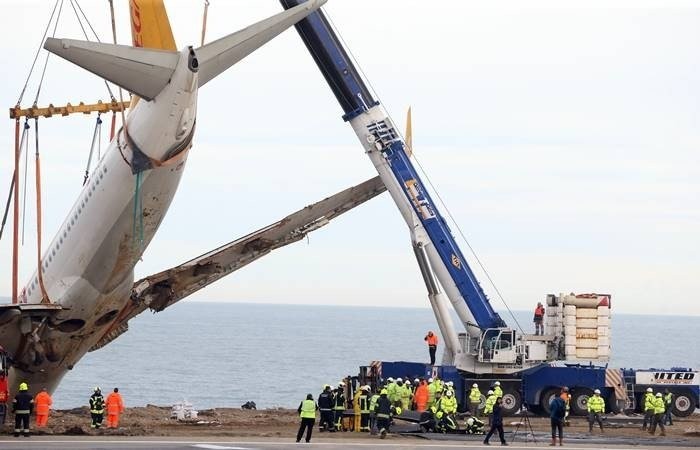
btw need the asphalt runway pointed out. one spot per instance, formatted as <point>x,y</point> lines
<point>393,442</point>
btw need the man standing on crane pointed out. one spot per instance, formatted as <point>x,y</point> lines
<point>538,319</point>
<point>432,341</point>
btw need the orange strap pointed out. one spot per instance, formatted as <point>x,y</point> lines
<point>44,295</point>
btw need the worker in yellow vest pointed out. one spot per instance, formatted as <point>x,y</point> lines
<point>648,408</point>
<point>497,389</point>
<point>596,408</point>
<point>307,412</point>
<point>431,392</point>
<point>659,410</point>
<point>488,406</point>
<point>474,400</point>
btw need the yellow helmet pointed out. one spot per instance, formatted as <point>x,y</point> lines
<point>23,387</point>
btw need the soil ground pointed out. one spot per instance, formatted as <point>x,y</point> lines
<point>234,422</point>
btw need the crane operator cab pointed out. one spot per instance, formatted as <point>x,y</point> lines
<point>497,345</point>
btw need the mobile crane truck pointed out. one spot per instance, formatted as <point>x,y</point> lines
<point>531,369</point>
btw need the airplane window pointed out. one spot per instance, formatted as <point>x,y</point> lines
<point>65,234</point>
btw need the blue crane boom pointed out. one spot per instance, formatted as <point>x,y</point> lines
<point>356,100</point>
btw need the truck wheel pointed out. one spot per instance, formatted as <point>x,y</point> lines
<point>579,400</point>
<point>547,398</point>
<point>683,403</point>
<point>511,403</point>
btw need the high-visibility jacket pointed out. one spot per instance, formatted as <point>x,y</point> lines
<point>432,340</point>
<point>475,395</point>
<point>539,313</point>
<point>391,391</point>
<point>307,409</point>
<point>363,402</point>
<point>668,399</point>
<point>115,404</point>
<point>422,395</point>
<point>42,403</point>
<point>596,404</point>
<point>373,402</point>
<point>339,401</point>
<point>432,388</point>
<point>97,404</point>
<point>659,405</point>
<point>439,385</point>
<point>405,396</point>
<point>498,392</point>
<point>649,401</point>
<point>490,401</point>
<point>448,405</point>
<point>23,403</point>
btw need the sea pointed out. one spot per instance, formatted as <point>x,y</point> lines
<point>225,354</point>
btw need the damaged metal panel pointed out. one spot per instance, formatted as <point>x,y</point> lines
<point>163,289</point>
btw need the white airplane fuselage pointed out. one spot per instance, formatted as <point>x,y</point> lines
<point>88,268</point>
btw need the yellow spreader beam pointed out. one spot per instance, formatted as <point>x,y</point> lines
<point>81,107</point>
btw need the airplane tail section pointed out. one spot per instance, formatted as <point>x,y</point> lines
<point>145,72</point>
<point>217,56</point>
<point>150,27</point>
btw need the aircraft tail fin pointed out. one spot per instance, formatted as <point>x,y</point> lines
<point>217,56</point>
<point>145,72</point>
<point>150,26</point>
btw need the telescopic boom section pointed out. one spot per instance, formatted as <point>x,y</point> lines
<point>387,150</point>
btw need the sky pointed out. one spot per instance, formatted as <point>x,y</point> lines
<point>563,137</point>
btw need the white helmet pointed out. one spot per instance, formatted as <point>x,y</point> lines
<point>450,383</point>
<point>399,380</point>
<point>341,384</point>
<point>416,380</point>
<point>430,380</point>
<point>390,379</point>
<point>490,392</point>
<point>449,393</point>
<point>475,385</point>
<point>658,394</point>
<point>597,391</point>
<point>650,390</point>
<point>497,383</point>
<point>365,388</point>
<point>470,421</point>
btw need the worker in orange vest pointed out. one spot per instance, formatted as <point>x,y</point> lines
<point>42,405</point>
<point>421,396</point>
<point>432,341</point>
<point>115,406</point>
<point>539,319</point>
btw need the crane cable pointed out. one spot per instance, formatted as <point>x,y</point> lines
<point>449,214</point>
<point>121,97</point>
<point>73,4</point>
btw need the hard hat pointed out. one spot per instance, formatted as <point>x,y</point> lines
<point>475,385</point>
<point>450,383</point>
<point>23,387</point>
<point>416,380</point>
<point>97,389</point>
<point>390,379</point>
<point>449,393</point>
<point>399,380</point>
<point>367,388</point>
<point>430,380</point>
<point>341,384</point>
<point>650,390</point>
<point>597,391</point>
<point>470,421</point>
<point>384,392</point>
<point>658,394</point>
<point>490,392</point>
<point>326,386</point>
<point>497,383</point>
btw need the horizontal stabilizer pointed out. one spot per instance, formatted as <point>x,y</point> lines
<point>217,56</point>
<point>144,72</point>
